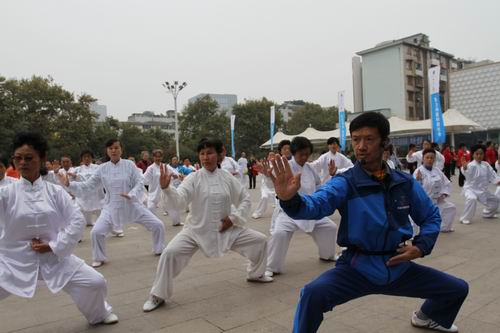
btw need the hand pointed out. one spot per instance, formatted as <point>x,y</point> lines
<point>464,162</point>
<point>126,196</point>
<point>40,246</point>
<point>63,179</point>
<point>418,175</point>
<point>226,224</point>
<point>332,168</point>
<point>165,176</point>
<point>406,253</point>
<point>71,174</point>
<point>286,184</point>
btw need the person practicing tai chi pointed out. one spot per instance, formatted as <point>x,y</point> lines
<point>323,231</point>
<point>417,156</point>
<point>478,175</point>
<point>374,202</point>
<point>333,158</point>
<point>39,229</point>
<point>266,190</point>
<point>211,224</point>
<point>124,186</point>
<point>438,188</point>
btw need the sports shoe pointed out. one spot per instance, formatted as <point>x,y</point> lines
<point>430,324</point>
<point>271,274</point>
<point>494,216</point>
<point>178,225</point>
<point>96,264</point>
<point>255,216</point>
<point>110,319</point>
<point>261,279</point>
<point>152,303</point>
<point>334,259</point>
<point>465,222</point>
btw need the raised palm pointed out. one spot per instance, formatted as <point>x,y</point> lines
<point>165,176</point>
<point>286,184</point>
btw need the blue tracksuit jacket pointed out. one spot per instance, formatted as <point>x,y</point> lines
<point>374,217</point>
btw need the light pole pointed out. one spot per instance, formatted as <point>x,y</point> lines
<point>174,89</point>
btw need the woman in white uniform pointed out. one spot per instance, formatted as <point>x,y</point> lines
<point>90,202</point>
<point>124,185</point>
<point>266,190</point>
<point>324,231</point>
<point>152,179</point>
<point>438,188</point>
<point>478,175</point>
<point>211,225</point>
<point>41,227</point>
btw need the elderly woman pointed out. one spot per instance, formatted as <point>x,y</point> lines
<point>41,227</point>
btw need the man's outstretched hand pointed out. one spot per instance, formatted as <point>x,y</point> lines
<point>405,253</point>
<point>286,184</point>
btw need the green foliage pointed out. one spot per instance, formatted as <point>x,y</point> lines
<point>322,119</point>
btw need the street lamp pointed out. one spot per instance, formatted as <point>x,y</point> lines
<point>174,89</point>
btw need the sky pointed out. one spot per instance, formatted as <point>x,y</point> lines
<point>120,52</point>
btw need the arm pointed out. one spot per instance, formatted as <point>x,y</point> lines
<point>137,190</point>
<point>344,164</point>
<point>68,237</point>
<point>148,176</point>
<point>321,203</point>
<point>178,198</point>
<point>240,198</point>
<point>78,188</point>
<point>411,157</point>
<point>426,215</point>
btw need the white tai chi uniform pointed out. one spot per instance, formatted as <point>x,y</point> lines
<point>6,180</point>
<point>45,211</point>
<point>118,178</point>
<point>211,195</point>
<point>324,231</point>
<point>90,202</point>
<point>230,165</point>
<point>321,165</point>
<point>436,185</point>
<point>417,157</point>
<point>243,165</point>
<point>477,178</point>
<point>266,193</point>
<point>152,179</point>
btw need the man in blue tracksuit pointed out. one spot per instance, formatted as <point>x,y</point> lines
<point>374,202</point>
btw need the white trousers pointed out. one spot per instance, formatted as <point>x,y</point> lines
<point>89,216</point>
<point>88,290</point>
<point>140,215</point>
<point>486,198</point>
<point>448,211</point>
<point>324,235</point>
<point>244,180</point>
<point>250,244</point>
<point>172,213</point>
<point>264,199</point>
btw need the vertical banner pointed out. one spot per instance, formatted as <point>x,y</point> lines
<point>342,120</point>
<point>233,150</point>
<point>272,125</point>
<point>438,130</point>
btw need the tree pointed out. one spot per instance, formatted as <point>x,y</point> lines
<point>322,119</point>
<point>252,125</point>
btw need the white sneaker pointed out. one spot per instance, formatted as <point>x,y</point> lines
<point>262,279</point>
<point>465,222</point>
<point>494,216</point>
<point>152,303</point>
<point>271,274</point>
<point>255,216</point>
<point>96,264</point>
<point>110,319</point>
<point>430,324</point>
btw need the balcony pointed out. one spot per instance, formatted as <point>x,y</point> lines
<point>419,72</point>
<point>435,62</point>
<point>443,77</point>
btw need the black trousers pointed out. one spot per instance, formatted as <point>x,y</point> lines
<point>252,179</point>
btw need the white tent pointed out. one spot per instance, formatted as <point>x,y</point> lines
<point>454,121</point>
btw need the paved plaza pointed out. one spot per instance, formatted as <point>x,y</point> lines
<point>212,295</point>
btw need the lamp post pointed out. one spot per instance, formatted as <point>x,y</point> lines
<point>174,89</point>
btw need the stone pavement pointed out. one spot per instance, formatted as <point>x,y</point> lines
<point>212,295</point>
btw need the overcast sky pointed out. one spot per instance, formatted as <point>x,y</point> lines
<point>121,51</point>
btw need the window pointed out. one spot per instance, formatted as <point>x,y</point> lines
<point>408,65</point>
<point>409,80</point>
<point>410,96</point>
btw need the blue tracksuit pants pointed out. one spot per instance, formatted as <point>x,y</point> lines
<point>443,294</point>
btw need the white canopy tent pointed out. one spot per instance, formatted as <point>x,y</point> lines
<point>454,121</point>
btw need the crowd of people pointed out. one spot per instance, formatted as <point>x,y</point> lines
<point>388,217</point>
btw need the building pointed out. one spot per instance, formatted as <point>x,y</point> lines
<point>225,101</point>
<point>148,120</point>
<point>475,92</point>
<point>101,110</point>
<point>393,75</point>
<point>288,108</point>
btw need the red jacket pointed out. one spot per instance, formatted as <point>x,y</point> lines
<point>462,152</point>
<point>491,156</point>
<point>447,156</point>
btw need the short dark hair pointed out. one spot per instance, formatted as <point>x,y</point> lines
<point>110,142</point>
<point>477,147</point>
<point>210,143</point>
<point>34,140</point>
<point>412,145</point>
<point>283,143</point>
<point>332,140</point>
<point>428,150</point>
<point>300,143</point>
<point>371,119</point>
<point>424,140</point>
<point>86,152</point>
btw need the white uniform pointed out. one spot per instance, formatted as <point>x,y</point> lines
<point>417,157</point>
<point>266,192</point>
<point>477,178</point>
<point>90,202</point>
<point>118,178</point>
<point>324,231</point>
<point>211,195</point>
<point>43,210</point>
<point>230,165</point>
<point>321,165</point>
<point>436,185</point>
<point>152,179</point>
<point>7,180</point>
<point>243,165</point>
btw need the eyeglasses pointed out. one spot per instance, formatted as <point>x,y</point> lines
<point>26,159</point>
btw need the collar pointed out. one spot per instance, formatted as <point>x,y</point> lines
<point>362,178</point>
<point>38,183</point>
